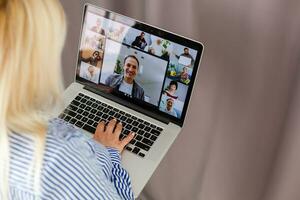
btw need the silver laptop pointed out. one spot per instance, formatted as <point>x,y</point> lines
<point>139,74</point>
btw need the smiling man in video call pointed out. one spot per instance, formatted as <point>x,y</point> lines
<point>125,82</point>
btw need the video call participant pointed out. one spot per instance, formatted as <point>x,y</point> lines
<point>186,53</point>
<point>91,74</point>
<point>94,59</point>
<point>184,76</point>
<point>97,28</point>
<point>140,41</point>
<point>125,82</point>
<point>169,107</point>
<point>170,91</point>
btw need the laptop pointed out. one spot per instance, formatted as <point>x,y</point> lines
<point>139,74</point>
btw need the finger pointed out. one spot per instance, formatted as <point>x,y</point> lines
<point>100,127</point>
<point>127,139</point>
<point>111,126</point>
<point>118,129</point>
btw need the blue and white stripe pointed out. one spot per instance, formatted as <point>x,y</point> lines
<point>74,167</point>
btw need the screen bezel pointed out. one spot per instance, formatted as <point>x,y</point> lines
<point>144,108</point>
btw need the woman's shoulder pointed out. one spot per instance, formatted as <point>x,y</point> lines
<point>62,130</point>
<point>61,133</point>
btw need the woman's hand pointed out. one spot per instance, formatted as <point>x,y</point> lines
<point>109,135</point>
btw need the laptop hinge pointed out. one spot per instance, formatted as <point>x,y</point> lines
<point>127,104</point>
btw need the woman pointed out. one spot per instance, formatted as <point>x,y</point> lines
<point>170,91</point>
<point>42,158</point>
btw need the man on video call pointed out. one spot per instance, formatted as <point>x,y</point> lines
<point>125,82</point>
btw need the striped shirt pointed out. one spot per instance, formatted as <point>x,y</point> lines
<point>74,167</point>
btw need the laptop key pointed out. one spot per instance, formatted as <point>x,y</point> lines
<point>142,146</point>
<point>134,129</point>
<point>104,104</point>
<point>94,105</point>
<point>110,118</point>
<point>135,123</point>
<point>95,124</point>
<point>128,126</point>
<point>78,116</point>
<point>91,116</point>
<point>88,108</point>
<point>76,103</point>
<point>155,132</point>
<point>152,126</point>
<point>104,116</point>
<point>128,148</point>
<point>72,107</point>
<point>83,100</point>
<point>142,155</point>
<point>121,112</point>
<point>141,132</point>
<point>105,110</point>
<point>78,98</point>
<point>73,121</point>
<point>80,94</point>
<point>84,119</point>
<point>132,141</point>
<point>147,135</point>
<point>70,112</point>
<point>123,118</point>
<point>67,118</point>
<point>89,128</point>
<point>99,113</point>
<point>134,117</point>
<point>90,122</point>
<point>126,132</point>
<point>135,150</point>
<point>123,123</point>
<point>140,120</point>
<point>148,142</point>
<point>82,106</point>
<point>79,124</point>
<point>153,137</point>
<point>141,126</point>
<point>147,128</point>
<point>100,107</point>
<point>159,129</point>
<point>146,123</point>
<point>93,111</point>
<point>117,115</point>
<point>138,137</point>
<point>89,103</point>
<point>62,115</point>
<point>97,119</point>
<point>129,120</point>
<point>80,111</point>
<point>111,113</point>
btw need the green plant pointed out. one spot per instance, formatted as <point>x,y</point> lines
<point>172,70</point>
<point>165,44</point>
<point>118,67</point>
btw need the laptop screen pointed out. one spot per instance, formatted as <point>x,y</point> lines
<point>145,66</point>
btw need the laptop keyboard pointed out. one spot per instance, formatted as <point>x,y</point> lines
<point>86,112</point>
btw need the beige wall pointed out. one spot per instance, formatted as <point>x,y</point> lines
<point>240,141</point>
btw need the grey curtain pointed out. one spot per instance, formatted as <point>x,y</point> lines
<point>241,138</point>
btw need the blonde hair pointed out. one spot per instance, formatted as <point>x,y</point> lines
<point>31,40</point>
